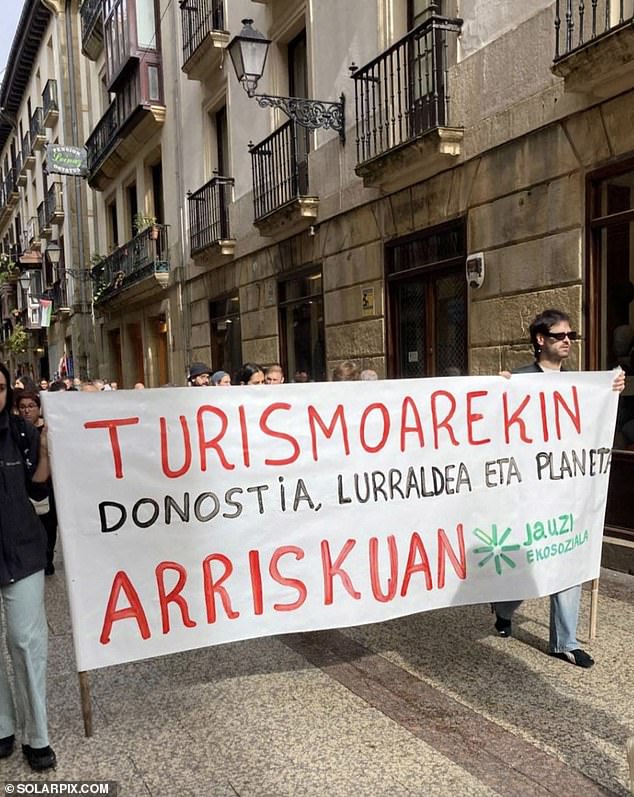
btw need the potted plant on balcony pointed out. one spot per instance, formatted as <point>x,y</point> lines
<point>18,339</point>
<point>142,222</point>
<point>8,269</point>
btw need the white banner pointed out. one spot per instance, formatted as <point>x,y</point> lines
<point>195,516</point>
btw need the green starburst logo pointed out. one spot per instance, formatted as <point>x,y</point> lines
<point>494,548</point>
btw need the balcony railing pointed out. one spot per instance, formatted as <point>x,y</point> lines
<point>61,295</point>
<point>44,228</point>
<point>20,172</point>
<point>50,105</point>
<point>280,169</point>
<point>134,109</point>
<point>209,214</point>
<point>143,256</point>
<point>30,236</point>
<point>403,92</point>
<point>36,129</point>
<point>28,159</point>
<point>11,193</point>
<point>578,23</point>
<point>199,18</point>
<point>54,204</point>
<point>91,27</point>
<point>103,136</point>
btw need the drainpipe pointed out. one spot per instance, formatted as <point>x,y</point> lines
<point>86,329</point>
<point>183,288</point>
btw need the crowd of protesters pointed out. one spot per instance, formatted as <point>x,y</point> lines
<point>27,545</point>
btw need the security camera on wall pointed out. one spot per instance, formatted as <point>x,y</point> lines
<point>475,270</point>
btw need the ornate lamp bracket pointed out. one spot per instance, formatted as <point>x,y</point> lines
<point>311,114</point>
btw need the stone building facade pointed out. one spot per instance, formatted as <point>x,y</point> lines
<point>490,134</point>
<point>42,210</point>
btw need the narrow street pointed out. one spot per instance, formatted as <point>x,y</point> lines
<point>432,704</point>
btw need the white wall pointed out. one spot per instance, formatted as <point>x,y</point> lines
<point>487,20</point>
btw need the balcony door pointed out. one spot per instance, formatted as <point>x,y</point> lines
<point>426,68</point>
<point>223,169</point>
<point>298,87</point>
<point>427,304</point>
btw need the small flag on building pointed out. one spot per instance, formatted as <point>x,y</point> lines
<point>46,306</point>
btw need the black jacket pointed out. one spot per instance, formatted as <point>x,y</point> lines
<point>22,536</point>
<point>533,368</point>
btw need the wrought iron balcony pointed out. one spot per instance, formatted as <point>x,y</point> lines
<point>30,238</point>
<point>279,165</point>
<point>54,204</point>
<point>111,141</point>
<point>204,36</point>
<point>144,256</point>
<point>91,13</point>
<point>37,131</point>
<point>61,295</point>
<point>11,193</point>
<point>50,106</point>
<point>209,216</point>
<point>404,128</point>
<point>578,24</point>
<point>403,93</point>
<point>594,47</point>
<point>28,158</point>
<point>45,229</point>
<point>21,178</point>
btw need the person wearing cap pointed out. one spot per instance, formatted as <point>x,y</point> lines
<point>199,374</point>
<point>220,379</point>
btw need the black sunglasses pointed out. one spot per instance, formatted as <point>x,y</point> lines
<point>562,335</point>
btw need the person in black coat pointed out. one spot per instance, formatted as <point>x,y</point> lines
<point>24,473</point>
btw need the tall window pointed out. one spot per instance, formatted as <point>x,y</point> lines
<point>427,295</point>
<point>222,142</point>
<point>610,330</point>
<point>301,307</point>
<point>427,64</point>
<point>113,225</point>
<point>157,192</point>
<point>612,229</point>
<point>298,87</point>
<point>226,338</point>
<point>133,207</point>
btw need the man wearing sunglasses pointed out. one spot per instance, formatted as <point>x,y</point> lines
<point>551,337</point>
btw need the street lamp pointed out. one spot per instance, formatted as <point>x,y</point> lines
<point>248,51</point>
<point>54,253</point>
<point>25,281</point>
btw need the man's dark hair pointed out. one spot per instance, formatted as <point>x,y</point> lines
<point>247,371</point>
<point>543,323</point>
<point>8,405</point>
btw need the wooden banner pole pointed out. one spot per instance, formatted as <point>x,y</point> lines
<point>86,707</point>
<point>594,606</point>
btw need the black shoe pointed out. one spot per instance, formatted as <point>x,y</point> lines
<point>40,758</point>
<point>577,657</point>
<point>502,625</point>
<point>49,570</point>
<point>6,746</point>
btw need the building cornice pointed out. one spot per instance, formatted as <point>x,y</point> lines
<point>26,44</point>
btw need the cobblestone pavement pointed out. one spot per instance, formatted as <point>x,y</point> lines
<point>432,704</point>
